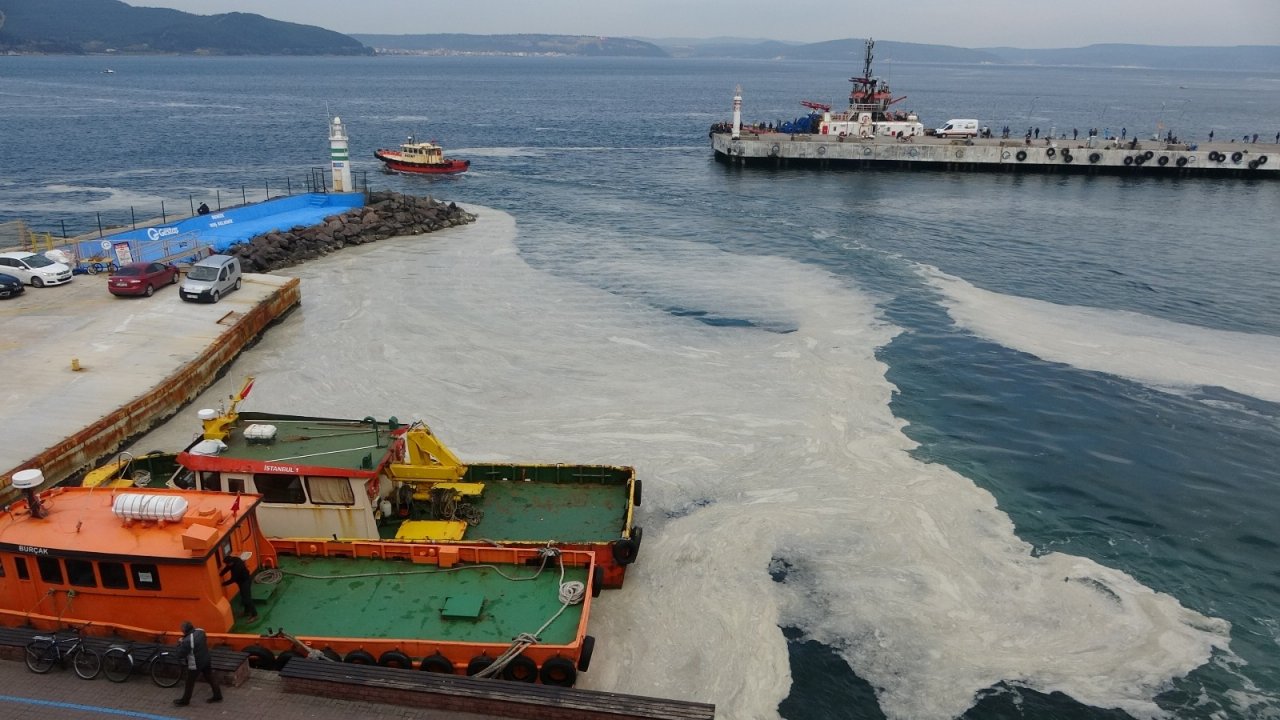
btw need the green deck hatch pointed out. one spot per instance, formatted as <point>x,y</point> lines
<point>462,607</point>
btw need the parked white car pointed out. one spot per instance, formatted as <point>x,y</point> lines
<point>36,270</point>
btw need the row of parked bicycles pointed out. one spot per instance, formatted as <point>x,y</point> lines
<point>118,662</point>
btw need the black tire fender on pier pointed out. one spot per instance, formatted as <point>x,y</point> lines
<point>558,671</point>
<point>1095,157</point>
<point>1066,157</point>
<point>1253,164</point>
<point>283,658</point>
<point>1051,152</point>
<point>360,657</point>
<point>1128,159</point>
<point>1004,154</point>
<point>1164,160</point>
<point>1215,156</point>
<point>260,657</point>
<point>637,493</point>
<point>521,669</point>
<point>1148,155</point>
<point>1262,159</point>
<point>1181,162</point>
<point>395,659</point>
<point>1139,159</point>
<point>1237,156</point>
<point>437,664</point>
<point>1022,155</point>
<point>478,663</point>
<point>774,150</point>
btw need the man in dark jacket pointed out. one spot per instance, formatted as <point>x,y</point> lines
<point>194,648</point>
<point>243,579</point>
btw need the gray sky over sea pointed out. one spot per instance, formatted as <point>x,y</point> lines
<point>963,23</point>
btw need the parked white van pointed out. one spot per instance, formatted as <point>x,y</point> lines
<point>211,278</point>
<point>958,128</point>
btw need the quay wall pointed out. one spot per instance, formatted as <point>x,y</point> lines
<point>778,150</point>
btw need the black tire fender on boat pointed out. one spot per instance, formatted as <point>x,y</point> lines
<point>636,494</point>
<point>1164,160</point>
<point>1050,152</point>
<point>624,551</point>
<point>360,657</point>
<point>588,649</point>
<point>283,658</point>
<point>1236,156</point>
<point>558,671</point>
<point>395,659</point>
<point>521,669</point>
<point>597,581</point>
<point>1095,157</point>
<point>478,663</point>
<point>1182,161</point>
<point>332,654</point>
<point>260,657</point>
<point>437,664</point>
<point>1022,155</point>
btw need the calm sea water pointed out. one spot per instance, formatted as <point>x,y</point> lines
<point>915,445</point>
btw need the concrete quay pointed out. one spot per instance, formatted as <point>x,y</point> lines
<point>141,360</point>
<point>1145,158</point>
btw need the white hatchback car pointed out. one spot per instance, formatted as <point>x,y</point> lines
<point>37,270</point>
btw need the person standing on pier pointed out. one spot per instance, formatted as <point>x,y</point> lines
<point>1211,136</point>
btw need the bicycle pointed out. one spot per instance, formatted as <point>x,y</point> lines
<point>119,662</point>
<point>46,650</point>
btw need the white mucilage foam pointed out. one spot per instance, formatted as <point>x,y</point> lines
<point>1156,352</point>
<point>772,438</point>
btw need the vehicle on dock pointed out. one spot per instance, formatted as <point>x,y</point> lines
<point>135,565</point>
<point>958,128</point>
<point>211,278</point>
<point>142,278</point>
<point>366,479</point>
<point>10,286</point>
<point>420,158</point>
<point>34,269</point>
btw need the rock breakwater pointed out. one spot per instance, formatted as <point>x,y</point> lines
<point>385,215</point>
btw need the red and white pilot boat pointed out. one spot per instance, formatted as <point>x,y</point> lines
<point>423,158</point>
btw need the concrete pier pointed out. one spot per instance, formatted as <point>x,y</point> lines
<point>1105,157</point>
<point>140,360</point>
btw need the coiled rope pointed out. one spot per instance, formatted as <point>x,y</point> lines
<point>570,593</point>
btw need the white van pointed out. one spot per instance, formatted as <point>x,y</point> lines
<point>211,278</point>
<point>958,128</point>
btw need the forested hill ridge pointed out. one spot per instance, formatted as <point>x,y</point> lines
<point>1241,57</point>
<point>525,44</point>
<point>98,26</point>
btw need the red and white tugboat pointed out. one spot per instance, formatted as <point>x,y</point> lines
<point>422,158</point>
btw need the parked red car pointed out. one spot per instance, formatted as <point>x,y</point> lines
<point>141,278</point>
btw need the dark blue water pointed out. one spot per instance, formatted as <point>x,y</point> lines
<point>1097,353</point>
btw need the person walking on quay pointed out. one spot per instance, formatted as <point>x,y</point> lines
<point>1210,136</point>
<point>194,648</point>
<point>243,579</point>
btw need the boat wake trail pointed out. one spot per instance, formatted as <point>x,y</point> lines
<point>1152,351</point>
<point>759,440</point>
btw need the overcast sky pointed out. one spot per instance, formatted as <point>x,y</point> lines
<point>964,23</point>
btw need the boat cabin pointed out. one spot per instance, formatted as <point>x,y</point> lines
<point>148,556</point>
<point>422,152</point>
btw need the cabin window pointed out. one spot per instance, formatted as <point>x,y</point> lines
<point>50,570</point>
<point>330,491</point>
<point>211,481</point>
<point>21,565</point>
<point>113,575</point>
<point>80,573</point>
<point>280,488</point>
<point>146,577</point>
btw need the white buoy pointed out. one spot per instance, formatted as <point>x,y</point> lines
<point>737,112</point>
<point>339,156</point>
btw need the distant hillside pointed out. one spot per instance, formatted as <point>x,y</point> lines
<point>93,26</point>
<point>1240,57</point>
<point>1244,57</point>
<point>458,44</point>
